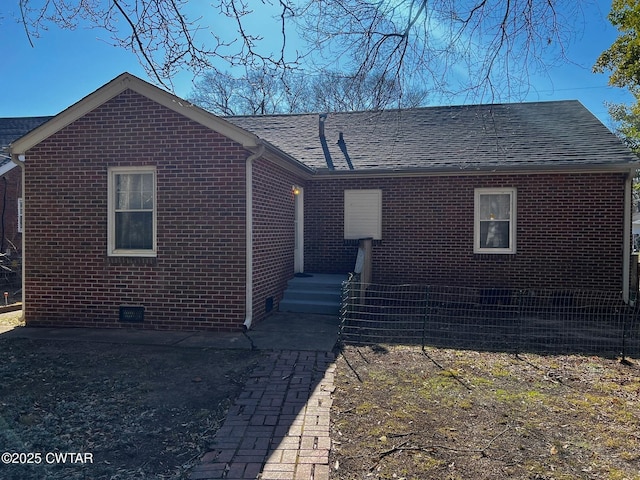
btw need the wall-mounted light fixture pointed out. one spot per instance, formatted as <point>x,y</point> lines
<point>295,190</point>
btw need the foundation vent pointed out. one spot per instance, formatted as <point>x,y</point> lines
<point>129,314</point>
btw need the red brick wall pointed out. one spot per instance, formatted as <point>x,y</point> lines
<point>569,227</point>
<point>273,239</point>
<point>569,231</point>
<point>197,280</point>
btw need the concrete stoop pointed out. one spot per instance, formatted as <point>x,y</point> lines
<point>313,293</point>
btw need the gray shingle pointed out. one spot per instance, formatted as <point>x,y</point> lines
<point>476,137</point>
<point>13,128</point>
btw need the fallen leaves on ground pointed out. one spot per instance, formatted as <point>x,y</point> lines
<point>140,411</point>
<point>401,413</point>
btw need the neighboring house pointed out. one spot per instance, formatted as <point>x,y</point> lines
<point>11,129</point>
<point>134,197</point>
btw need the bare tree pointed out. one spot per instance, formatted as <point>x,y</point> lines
<point>261,93</point>
<point>257,93</point>
<point>483,47</point>
<point>338,92</point>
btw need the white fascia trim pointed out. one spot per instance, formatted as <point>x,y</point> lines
<point>323,174</point>
<point>119,85</point>
<point>7,167</point>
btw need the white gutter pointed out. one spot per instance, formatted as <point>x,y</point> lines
<point>626,245</point>
<point>19,160</point>
<point>248,307</point>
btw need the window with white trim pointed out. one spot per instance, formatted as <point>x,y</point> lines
<point>20,215</point>
<point>495,220</point>
<point>362,214</point>
<point>132,211</point>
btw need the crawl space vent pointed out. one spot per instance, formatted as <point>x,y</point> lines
<point>131,314</point>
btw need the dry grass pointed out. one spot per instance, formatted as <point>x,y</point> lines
<point>400,413</point>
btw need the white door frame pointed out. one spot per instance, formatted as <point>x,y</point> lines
<point>298,252</point>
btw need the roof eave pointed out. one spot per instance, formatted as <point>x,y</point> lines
<point>285,160</point>
<point>504,169</point>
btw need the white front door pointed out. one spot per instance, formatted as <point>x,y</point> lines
<point>298,259</point>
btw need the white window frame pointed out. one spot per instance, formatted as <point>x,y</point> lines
<point>20,215</point>
<point>369,206</point>
<point>111,220</point>
<point>477,240</point>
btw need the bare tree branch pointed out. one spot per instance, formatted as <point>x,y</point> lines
<point>141,47</point>
<point>480,48</point>
<point>24,22</point>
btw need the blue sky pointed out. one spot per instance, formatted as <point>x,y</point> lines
<point>64,66</point>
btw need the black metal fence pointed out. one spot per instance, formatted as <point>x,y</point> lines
<point>542,321</point>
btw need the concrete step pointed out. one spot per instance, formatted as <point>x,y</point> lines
<point>308,294</point>
<point>318,281</point>
<point>313,293</point>
<point>303,306</point>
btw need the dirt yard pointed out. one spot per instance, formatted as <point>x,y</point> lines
<point>139,412</point>
<point>400,413</point>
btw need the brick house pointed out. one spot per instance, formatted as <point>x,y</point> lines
<point>12,128</point>
<point>136,198</point>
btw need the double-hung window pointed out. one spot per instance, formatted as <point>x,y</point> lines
<point>495,220</point>
<point>132,212</point>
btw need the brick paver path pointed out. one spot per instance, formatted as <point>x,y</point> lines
<point>278,429</point>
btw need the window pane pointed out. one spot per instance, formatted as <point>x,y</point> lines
<point>495,206</point>
<point>123,187</point>
<point>147,200</point>
<point>134,230</point>
<point>122,201</point>
<point>134,191</point>
<point>494,234</point>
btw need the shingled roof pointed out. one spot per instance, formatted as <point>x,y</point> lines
<point>540,135</point>
<point>516,136</point>
<point>13,128</point>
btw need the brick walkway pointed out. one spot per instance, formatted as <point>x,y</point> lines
<point>278,428</point>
